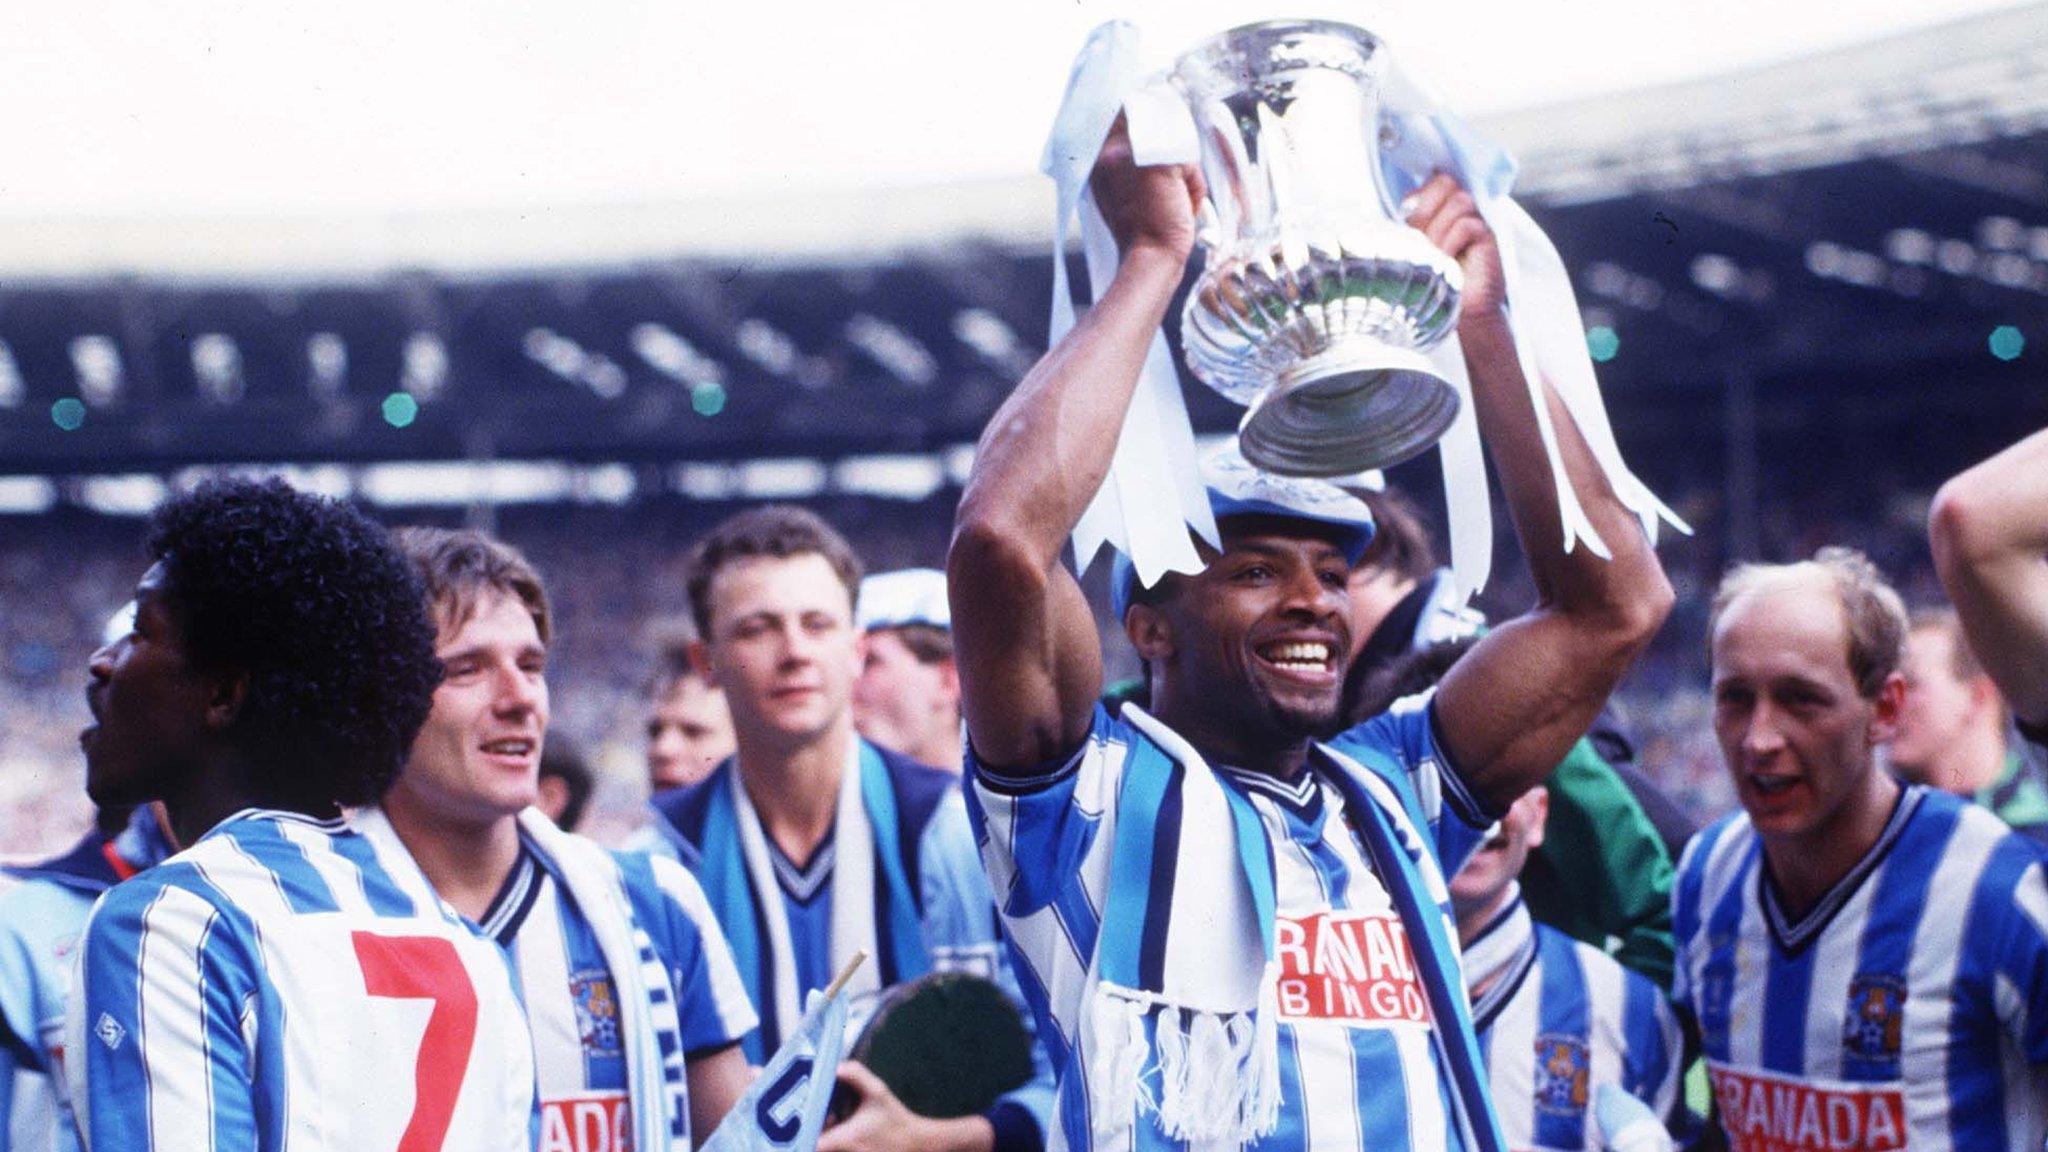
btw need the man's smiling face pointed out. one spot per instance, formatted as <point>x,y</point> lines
<point>1263,634</point>
<point>477,758</point>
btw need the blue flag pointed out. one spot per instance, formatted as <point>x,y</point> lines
<point>785,1109</point>
<point>1626,1123</point>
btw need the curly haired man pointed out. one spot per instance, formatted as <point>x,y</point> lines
<point>263,989</point>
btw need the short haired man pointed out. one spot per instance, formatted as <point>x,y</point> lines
<point>689,727</point>
<point>285,982</point>
<point>1953,726</point>
<point>563,790</point>
<point>1989,528</point>
<point>1867,963</point>
<point>633,1007</point>
<point>1556,1018</point>
<point>908,694</point>
<point>1183,880</point>
<point>1401,600</point>
<point>813,843</point>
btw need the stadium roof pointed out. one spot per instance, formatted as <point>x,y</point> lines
<point>432,144</point>
<point>1889,257</point>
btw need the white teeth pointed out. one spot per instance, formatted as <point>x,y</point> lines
<point>1308,653</point>
<point>509,747</point>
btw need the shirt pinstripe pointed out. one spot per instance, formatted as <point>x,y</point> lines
<point>571,997</point>
<point>1909,1007</point>
<point>284,985</point>
<point>1047,847</point>
<point>1562,1018</point>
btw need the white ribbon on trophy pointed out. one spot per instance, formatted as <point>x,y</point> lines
<point>1152,496</point>
<point>1153,493</point>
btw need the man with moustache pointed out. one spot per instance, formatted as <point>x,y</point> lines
<point>633,1008</point>
<point>1172,879</point>
<point>813,843</point>
<point>1866,962</point>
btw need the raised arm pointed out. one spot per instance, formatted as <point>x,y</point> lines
<point>1989,528</point>
<point>1512,708</point>
<point>1030,663</point>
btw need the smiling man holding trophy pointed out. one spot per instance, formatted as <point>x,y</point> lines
<point>1231,930</point>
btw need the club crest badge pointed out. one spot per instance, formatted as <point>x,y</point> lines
<point>1563,1068</point>
<point>1872,1028</point>
<point>597,1012</point>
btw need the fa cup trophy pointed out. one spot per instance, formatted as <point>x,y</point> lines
<point>1318,302</point>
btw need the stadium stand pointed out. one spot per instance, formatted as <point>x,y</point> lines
<point>1811,288</point>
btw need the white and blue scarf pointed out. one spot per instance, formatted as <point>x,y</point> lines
<point>882,919</point>
<point>1187,949</point>
<point>650,1021</point>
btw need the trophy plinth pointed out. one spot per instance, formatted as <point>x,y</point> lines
<point>1316,302</point>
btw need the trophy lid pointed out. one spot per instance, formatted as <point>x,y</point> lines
<point>1231,61</point>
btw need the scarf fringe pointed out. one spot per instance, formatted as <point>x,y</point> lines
<point>1116,1063</point>
<point>1219,1073</point>
<point>1263,1103</point>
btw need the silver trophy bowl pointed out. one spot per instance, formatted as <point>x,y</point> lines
<point>1317,302</point>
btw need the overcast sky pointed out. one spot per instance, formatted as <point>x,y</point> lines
<point>292,106</point>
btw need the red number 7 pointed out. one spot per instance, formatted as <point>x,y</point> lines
<point>426,968</point>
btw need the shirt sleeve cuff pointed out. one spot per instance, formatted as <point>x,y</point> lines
<point>713,1048</point>
<point>1016,1129</point>
<point>1024,783</point>
<point>1457,797</point>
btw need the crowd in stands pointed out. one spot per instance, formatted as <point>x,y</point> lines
<point>616,577</point>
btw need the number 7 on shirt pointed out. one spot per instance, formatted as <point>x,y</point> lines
<point>426,968</point>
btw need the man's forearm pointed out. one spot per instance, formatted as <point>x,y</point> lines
<point>1517,704</point>
<point>1631,585</point>
<point>1030,664</point>
<point>1989,531</point>
<point>1048,448</point>
<point>2008,495</point>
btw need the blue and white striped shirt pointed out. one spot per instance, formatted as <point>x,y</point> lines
<point>572,1002</point>
<point>1357,1065</point>
<point>955,914</point>
<point>43,908</point>
<point>284,984</point>
<point>1557,1018</point>
<point>1907,1008</point>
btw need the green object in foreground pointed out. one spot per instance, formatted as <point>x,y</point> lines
<point>947,1044</point>
<point>1602,875</point>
